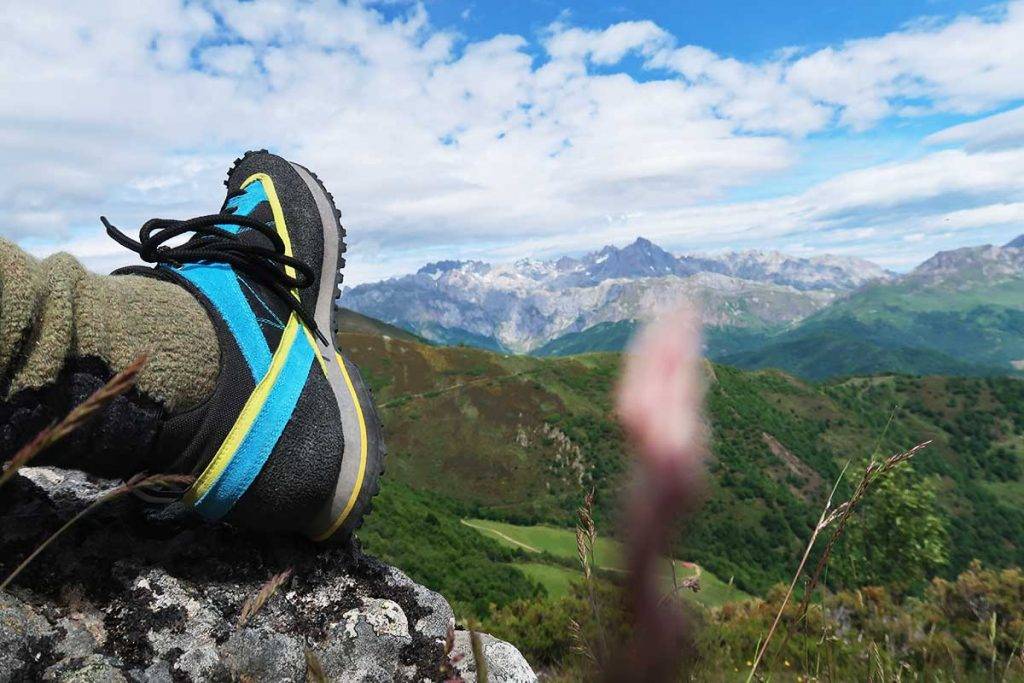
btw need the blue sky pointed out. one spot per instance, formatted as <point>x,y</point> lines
<point>750,29</point>
<point>498,131</point>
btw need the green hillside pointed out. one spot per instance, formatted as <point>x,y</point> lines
<point>601,337</point>
<point>352,322</point>
<point>455,336</point>
<point>965,325</point>
<point>844,347</point>
<point>914,327</point>
<point>421,533</point>
<point>719,341</point>
<point>538,540</point>
<point>518,439</point>
<point>827,346</point>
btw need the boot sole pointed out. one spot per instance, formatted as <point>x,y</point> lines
<point>359,479</point>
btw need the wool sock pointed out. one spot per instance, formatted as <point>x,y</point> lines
<point>65,331</point>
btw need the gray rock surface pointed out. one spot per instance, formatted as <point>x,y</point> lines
<point>136,593</point>
<point>504,662</point>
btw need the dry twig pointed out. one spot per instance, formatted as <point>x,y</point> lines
<point>839,516</point>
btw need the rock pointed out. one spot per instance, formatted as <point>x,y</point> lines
<point>24,638</point>
<point>504,662</point>
<point>137,593</point>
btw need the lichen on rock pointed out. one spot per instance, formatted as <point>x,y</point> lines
<point>136,593</point>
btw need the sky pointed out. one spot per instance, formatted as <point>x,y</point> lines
<point>497,131</point>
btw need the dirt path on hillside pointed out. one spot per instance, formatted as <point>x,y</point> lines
<point>479,527</point>
<point>434,392</point>
<point>508,538</point>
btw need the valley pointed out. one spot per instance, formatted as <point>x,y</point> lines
<point>553,561</point>
<point>810,378</point>
<point>525,437</point>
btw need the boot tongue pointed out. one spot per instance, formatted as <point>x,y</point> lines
<point>245,200</point>
<point>252,202</point>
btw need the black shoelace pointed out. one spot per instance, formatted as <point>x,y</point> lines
<point>216,245</point>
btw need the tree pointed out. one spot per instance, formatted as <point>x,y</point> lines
<point>897,537</point>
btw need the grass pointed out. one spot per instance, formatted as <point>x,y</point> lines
<point>555,579</point>
<point>538,539</point>
<point>839,515</point>
<point>542,538</point>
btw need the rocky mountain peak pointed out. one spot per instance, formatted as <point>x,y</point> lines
<point>1016,243</point>
<point>986,263</point>
<point>438,268</point>
<point>521,305</point>
<point>645,244</point>
<point>642,258</point>
<point>642,247</point>
<point>566,263</point>
<point>824,271</point>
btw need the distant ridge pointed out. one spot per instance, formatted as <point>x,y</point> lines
<point>351,322</point>
<point>519,307</point>
<point>960,312</point>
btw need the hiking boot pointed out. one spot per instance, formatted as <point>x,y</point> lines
<point>289,438</point>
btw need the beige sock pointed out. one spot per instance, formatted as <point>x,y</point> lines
<point>54,310</point>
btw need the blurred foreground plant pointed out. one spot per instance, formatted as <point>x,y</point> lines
<point>659,403</point>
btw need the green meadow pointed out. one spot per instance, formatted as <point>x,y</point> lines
<point>542,540</point>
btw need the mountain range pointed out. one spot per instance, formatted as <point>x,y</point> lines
<point>521,306</point>
<point>491,456</point>
<point>960,312</point>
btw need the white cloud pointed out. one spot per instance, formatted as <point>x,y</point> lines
<point>232,60</point>
<point>968,65</point>
<point>981,217</point>
<point>754,97</point>
<point>606,46</point>
<point>1001,130</point>
<point>874,212</point>
<point>438,146</point>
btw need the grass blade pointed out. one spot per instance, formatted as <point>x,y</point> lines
<point>314,670</point>
<point>256,602</point>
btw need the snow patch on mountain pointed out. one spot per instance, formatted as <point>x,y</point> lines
<point>524,304</point>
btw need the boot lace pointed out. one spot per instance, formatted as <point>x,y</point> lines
<point>213,244</point>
